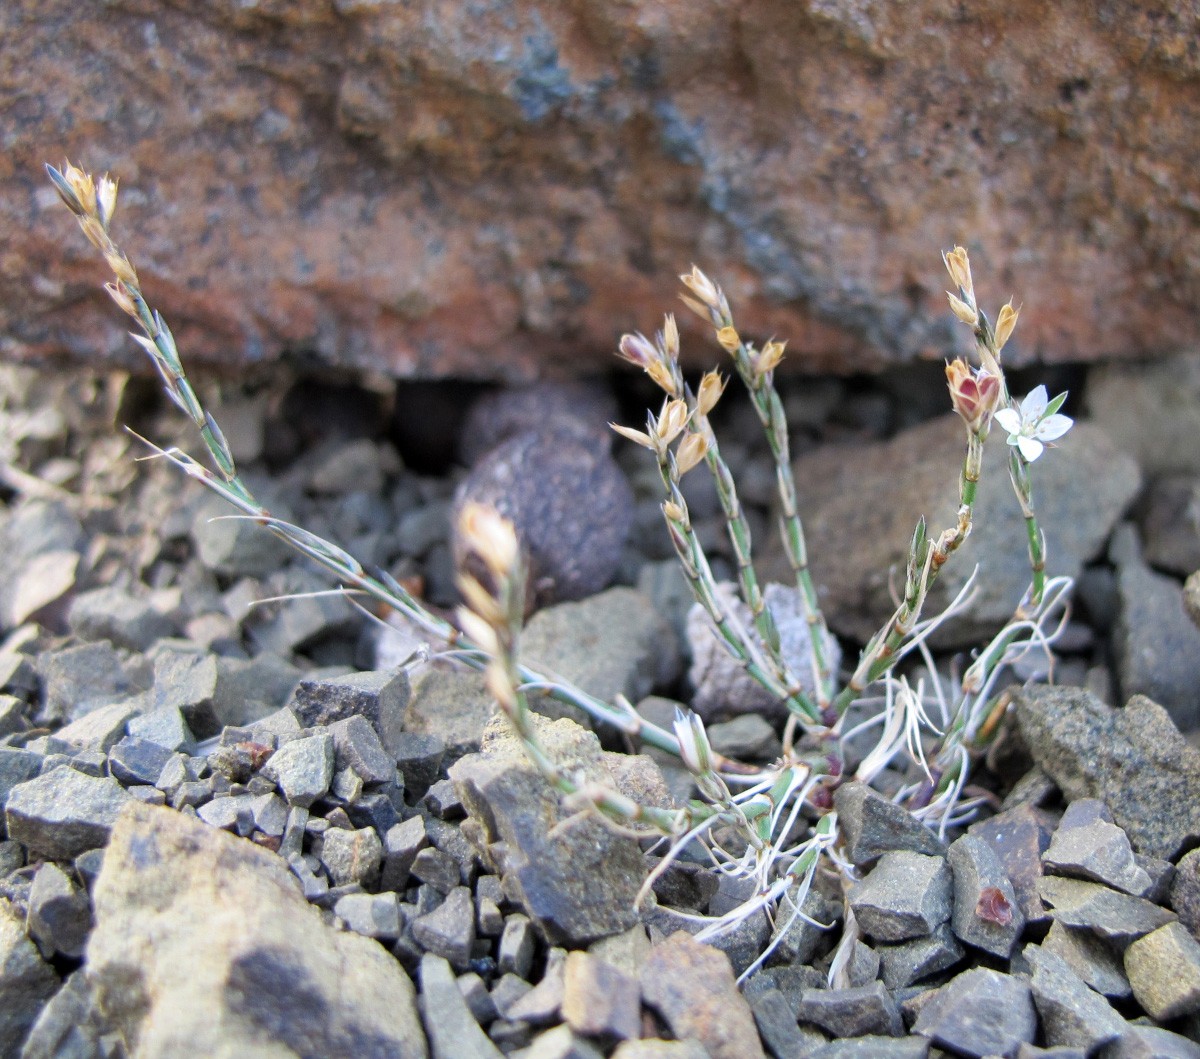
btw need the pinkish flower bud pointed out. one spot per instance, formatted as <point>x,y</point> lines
<point>974,394</point>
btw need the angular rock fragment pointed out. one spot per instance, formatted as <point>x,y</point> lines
<point>1072,1015</point>
<point>577,884</point>
<point>906,895</point>
<point>599,1001</point>
<point>1097,850</point>
<point>1116,917</point>
<point>26,982</point>
<point>692,987</point>
<point>203,944</point>
<point>380,697</point>
<point>986,914</point>
<point>449,930</point>
<point>62,813</point>
<point>872,826</point>
<point>1091,750</point>
<point>452,1029</point>
<point>907,962</point>
<point>303,768</point>
<point>1019,836</point>
<point>980,1013</point>
<point>853,1012</point>
<point>1164,971</point>
<point>60,915</point>
<point>1092,959</point>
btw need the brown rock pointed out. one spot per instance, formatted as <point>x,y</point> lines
<point>500,190</point>
<point>692,987</point>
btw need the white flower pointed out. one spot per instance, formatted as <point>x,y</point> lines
<point>1035,423</point>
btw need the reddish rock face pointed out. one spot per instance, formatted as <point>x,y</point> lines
<point>499,189</point>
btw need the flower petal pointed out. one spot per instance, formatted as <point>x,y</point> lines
<point>1034,404</point>
<point>1052,427</point>
<point>1009,419</point>
<point>1030,448</point>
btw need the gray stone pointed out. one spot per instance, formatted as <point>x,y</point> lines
<point>656,1049</point>
<point>61,813</point>
<point>980,1013</point>
<point>1164,971</point>
<point>379,696</point>
<point>803,935</point>
<point>1091,749</point>
<point>509,990</point>
<point>187,680</point>
<point>203,943</point>
<point>569,502</point>
<point>1150,1042</point>
<point>1099,851</point>
<point>352,856</point>
<point>576,884</point>
<point>16,766</point>
<point>37,588</point>
<point>70,1026</point>
<point>1090,958</point>
<point>235,547</point>
<point>449,930</point>
<point>600,1001</point>
<point>722,685</point>
<point>1170,523</point>
<point>419,758</point>
<point>776,1021</point>
<point>303,619</point>
<point>907,962</point>
<point>475,993</point>
<point>166,727</point>
<point>515,952</point>
<point>77,680</point>
<point>692,987</point>
<point>270,813</point>
<point>112,614</point>
<point>1116,917</point>
<point>303,768</point>
<point>852,1012</point>
<point>14,715</point>
<point>59,917</point>
<point>1156,645</point>
<point>229,814</point>
<point>442,801</point>
<point>906,895</point>
<point>746,738</point>
<point>134,760</point>
<point>451,705</point>
<point>438,869</point>
<point>610,644</point>
<point>684,885</point>
<point>26,982</point>
<point>541,1005</point>
<point>1019,836</point>
<point>1072,1015</point>
<point>372,915</point>
<point>401,845</point>
<point>356,745</point>
<point>871,826</point>
<point>873,1048</point>
<point>99,730</point>
<point>851,549</point>
<point>986,914</point>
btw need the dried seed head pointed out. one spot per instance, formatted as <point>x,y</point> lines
<point>81,184</point>
<point>706,292</point>
<point>478,630</point>
<point>489,535</point>
<point>637,349</point>
<point>769,358</point>
<point>690,452</point>
<point>670,337</point>
<point>120,294</point>
<point>729,339</point>
<point>106,200</point>
<point>636,436</point>
<point>959,267</point>
<point>1005,322</point>
<point>694,748</point>
<point>121,267</point>
<point>671,421</point>
<point>662,376</point>
<point>673,511</point>
<point>962,310</point>
<point>711,388</point>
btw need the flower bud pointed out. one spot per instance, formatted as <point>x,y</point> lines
<point>671,421</point>
<point>962,310</point>
<point>703,288</point>
<point>694,748</point>
<point>690,453</point>
<point>959,267</point>
<point>729,339</point>
<point>670,337</point>
<point>974,394</point>
<point>637,349</point>
<point>711,388</point>
<point>769,358</point>
<point>106,200</point>
<point>1005,322</point>
<point>636,436</point>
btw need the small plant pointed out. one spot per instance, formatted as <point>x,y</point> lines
<point>775,825</point>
